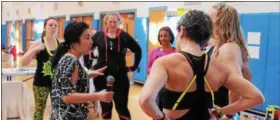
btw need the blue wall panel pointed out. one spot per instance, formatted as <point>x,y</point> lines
<point>95,24</point>
<point>4,35</point>
<point>257,23</point>
<point>24,37</point>
<point>272,77</point>
<point>141,35</point>
<point>66,23</point>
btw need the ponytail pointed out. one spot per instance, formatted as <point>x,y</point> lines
<point>43,35</point>
<point>60,51</point>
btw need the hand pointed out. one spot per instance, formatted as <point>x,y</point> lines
<point>105,96</point>
<point>98,72</point>
<point>38,46</point>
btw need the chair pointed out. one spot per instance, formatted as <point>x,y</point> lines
<point>15,100</point>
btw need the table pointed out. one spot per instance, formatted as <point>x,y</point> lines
<point>10,72</point>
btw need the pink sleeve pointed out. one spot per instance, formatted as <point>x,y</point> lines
<point>151,60</point>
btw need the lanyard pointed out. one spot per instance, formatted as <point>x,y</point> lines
<point>106,46</point>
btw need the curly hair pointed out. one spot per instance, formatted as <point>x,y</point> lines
<point>198,26</point>
<point>228,24</point>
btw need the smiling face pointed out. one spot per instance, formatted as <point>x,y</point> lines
<point>164,37</point>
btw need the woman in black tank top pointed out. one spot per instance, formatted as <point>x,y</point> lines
<point>189,84</point>
<point>42,50</point>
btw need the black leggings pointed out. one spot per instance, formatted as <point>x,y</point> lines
<point>121,91</point>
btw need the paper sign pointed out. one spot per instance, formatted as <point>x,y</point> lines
<point>254,38</point>
<point>180,11</point>
<point>254,52</point>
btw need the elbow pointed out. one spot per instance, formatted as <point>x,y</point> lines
<point>144,102</point>
<point>22,62</point>
<point>66,99</point>
<point>259,99</point>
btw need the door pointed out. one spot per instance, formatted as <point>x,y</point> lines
<point>18,35</point>
<point>29,34</point>
<point>9,28</point>
<point>60,32</point>
<point>255,26</point>
<point>88,20</point>
<point>272,77</point>
<point>156,20</point>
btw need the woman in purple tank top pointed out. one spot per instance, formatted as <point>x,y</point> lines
<point>165,38</point>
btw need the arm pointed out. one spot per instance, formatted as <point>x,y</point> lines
<point>155,82</point>
<point>34,49</point>
<point>246,72</point>
<point>69,95</point>
<point>135,48</point>
<point>251,95</point>
<point>228,54</point>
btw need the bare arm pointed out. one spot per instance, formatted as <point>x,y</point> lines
<point>34,49</point>
<point>68,92</point>
<point>246,72</point>
<point>251,95</point>
<point>86,97</point>
<point>155,82</point>
<point>229,54</point>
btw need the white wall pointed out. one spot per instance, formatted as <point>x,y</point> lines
<point>68,8</point>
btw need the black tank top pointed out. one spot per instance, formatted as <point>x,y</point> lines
<point>198,102</point>
<point>43,74</point>
<point>221,95</point>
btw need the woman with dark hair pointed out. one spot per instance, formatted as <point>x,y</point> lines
<point>190,77</point>
<point>165,38</point>
<point>70,86</point>
<point>42,50</point>
<point>112,44</point>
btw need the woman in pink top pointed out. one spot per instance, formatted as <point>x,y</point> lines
<point>165,38</point>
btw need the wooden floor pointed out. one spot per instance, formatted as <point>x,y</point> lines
<point>136,112</point>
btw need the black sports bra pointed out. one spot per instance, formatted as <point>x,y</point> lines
<point>198,98</point>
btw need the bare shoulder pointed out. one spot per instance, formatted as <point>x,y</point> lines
<point>229,48</point>
<point>173,60</point>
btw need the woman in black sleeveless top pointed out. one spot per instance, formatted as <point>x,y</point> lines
<point>42,50</point>
<point>190,78</point>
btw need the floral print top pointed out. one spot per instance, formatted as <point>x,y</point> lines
<point>62,85</point>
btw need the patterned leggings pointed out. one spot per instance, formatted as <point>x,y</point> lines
<point>41,96</point>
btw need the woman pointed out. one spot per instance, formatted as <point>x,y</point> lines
<point>190,77</point>
<point>112,44</point>
<point>70,87</point>
<point>42,50</point>
<point>165,38</point>
<point>230,47</point>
